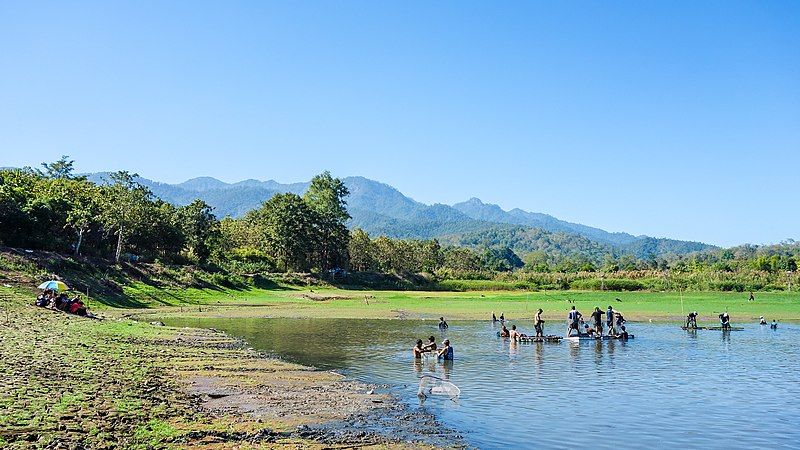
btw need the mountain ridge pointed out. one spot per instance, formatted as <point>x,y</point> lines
<point>381,209</point>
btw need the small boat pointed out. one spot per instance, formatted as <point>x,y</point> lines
<point>599,338</point>
<point>713,328</point>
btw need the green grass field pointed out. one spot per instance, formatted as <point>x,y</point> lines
<point>299,302</point>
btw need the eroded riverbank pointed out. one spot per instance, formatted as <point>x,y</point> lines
<point>71,382</point>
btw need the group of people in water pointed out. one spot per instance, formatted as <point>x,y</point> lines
<point>60,301</point>
<point>445,353</point>
<point>614,320</point>
<point>724,321</point>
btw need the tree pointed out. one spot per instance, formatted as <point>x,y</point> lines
<point>361,250</point>
<point>287,225</point>
<point>59,169</point>
<point>124,206</point>
<point>325,196</point>
<point>200,227</point>
<point>83,210</point>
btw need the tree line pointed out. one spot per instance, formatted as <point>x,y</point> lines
<point>51,208</point>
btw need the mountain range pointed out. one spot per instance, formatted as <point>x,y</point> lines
<point>381,209</point>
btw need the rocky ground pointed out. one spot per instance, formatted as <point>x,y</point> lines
<point>71,382</point>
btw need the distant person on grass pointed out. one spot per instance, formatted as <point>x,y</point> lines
<point>752,297</point>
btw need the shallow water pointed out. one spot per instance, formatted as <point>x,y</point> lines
<point>665,388</point>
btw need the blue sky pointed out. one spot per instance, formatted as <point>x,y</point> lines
<point>678,119</point>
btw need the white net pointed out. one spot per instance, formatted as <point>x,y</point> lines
<point>431,385</point>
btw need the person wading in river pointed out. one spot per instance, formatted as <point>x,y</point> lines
<point>538,323</point>
<point>597,316</point>
<point>691,320</point>
<point>418,350</point>
<point>573,321</point>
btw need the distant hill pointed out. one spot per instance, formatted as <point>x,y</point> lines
<point>381,209</point>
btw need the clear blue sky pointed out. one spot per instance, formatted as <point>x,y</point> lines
<point>678,119</point>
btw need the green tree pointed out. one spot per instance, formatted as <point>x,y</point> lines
<point>287,225</point>
<point>362,250</point>
<point>200,227</point>
<point>125,205</point>
<point>59,169</point>
<point>325,196</point>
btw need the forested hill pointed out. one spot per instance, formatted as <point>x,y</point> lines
<point>381,209</point>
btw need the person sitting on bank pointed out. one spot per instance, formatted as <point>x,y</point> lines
<point>538,323</point>
<point>417,351</point>
<point>43,300</point>
<point>691,320</point>
<point>430,346</point>
<point>442,324</point>
<point>77,307</point>
<point>61,302</point>
<point>504,331</point>
<point>573,321</point>
<point>446,352</point>
<point>762,321</point>
<point>725,321</point>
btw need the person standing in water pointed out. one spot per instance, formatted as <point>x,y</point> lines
<point>774,325</point>
<point>502,317</point>
<point>691,320</point>
<point>725,321</point>
<point>514,334</point>
<point>494,318</point>
<point>762,321</point>
<point>573,321</point>
<point>446,352</point>
<point>538,323</point>
<point>430,346</point>
<point>610,320</point>
<point>417,351</point>
<point>442,324</point>
<point>597,316</point>
<point>504,331</point>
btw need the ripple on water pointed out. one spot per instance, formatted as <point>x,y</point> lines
<point>665,388</point>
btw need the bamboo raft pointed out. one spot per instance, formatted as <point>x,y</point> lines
<point>713,328</point>
<point>598,338</point>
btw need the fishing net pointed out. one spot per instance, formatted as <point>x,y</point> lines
<point>431,385</point>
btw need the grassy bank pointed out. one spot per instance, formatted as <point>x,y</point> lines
<point>299,302</point>
<point>72,382</point>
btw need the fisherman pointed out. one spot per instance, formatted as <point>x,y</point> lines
<point>573,321</point>
<point>774,325</point>
<point>538,323</point>
<point>725,321</point>
<point>597,316</point>
<point>762,321</point>
<point>418,350</point>
<point>430,346</point>
<point>514,335</point>
<point>504,331</point>
<point>446,352</point>
<point>610,320</point>
<point>442,324</point>
<point>691,320</point>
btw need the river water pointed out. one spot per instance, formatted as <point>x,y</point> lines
<point>665,388</point>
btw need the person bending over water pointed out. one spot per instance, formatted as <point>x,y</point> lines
<point>504,331</point>
<point>725,321</point>
<point>589,332</point>
<point>430,346</point>
<point>762,321</point>
<point>446,352</point>
<point>691,320</point>
<point>418,350</point>
<point>538,323</point>
<point>442,324</point>
<point>573,321</point>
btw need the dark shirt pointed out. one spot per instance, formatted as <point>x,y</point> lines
<point>597,316</point>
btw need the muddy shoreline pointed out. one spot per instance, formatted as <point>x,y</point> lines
<point>304,402</point>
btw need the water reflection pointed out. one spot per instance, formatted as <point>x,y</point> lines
<point>671,388</point>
